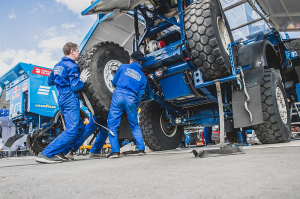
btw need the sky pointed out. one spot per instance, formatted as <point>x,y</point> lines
<point>34,31</point>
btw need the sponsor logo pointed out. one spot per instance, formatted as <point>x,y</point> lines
<point>25,88</point>
<point>15,96</point>
<point>44,106</point>
<point>16,92</point>
<point>58,70</point>
<point>16,89</point>
<point>41,71</point>
<point>158,73</point>
<point>16,82</point>
<point>43,90</point>
<point>132,73</point>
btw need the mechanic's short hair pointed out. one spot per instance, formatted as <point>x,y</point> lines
<point>68,47</point>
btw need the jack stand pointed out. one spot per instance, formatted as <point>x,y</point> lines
<point>224,150</point>
<point>242,138</point>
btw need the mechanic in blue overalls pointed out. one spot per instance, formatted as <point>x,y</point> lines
<point>130,83</point>
<point>207,136</point>
<point>65,76</point>
<point>89,130</point>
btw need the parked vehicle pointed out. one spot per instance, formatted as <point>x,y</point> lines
<point>33,106</point>
<point>189,49</point>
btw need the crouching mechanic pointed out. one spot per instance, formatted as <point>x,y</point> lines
<point>89,130</point>
<point>65,76</point>
<point>130,83</point>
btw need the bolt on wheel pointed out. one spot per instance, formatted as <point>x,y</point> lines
<point>110,70</point>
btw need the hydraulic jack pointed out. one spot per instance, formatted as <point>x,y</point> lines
<point>224,149</point>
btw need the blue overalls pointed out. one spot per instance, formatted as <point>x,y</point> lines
<point>207,134</point>
<point>89,130</point>
<point>130,83</point>
<point>66,77</point>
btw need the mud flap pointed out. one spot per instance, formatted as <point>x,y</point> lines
<point>12,139</point>
<point>241,117</point>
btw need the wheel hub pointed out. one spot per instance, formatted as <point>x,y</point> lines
<point>110,70</point>
<point>281,105</point>
<point>223,32</point>
<point>168,131</point>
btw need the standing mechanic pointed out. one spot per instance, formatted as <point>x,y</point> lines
<point>89,130</point>
<point>130,83</point>
<point>207,136</point>
<point>65,76</point>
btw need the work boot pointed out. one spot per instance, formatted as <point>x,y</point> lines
<point>113,155</point>
<point>44,159</point>
<point>70,154</point>
<point>142,152</point>
<point>61,156</point>
<point>211,143</point>
<point>96,155</point>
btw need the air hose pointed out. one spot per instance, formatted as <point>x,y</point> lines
<point>92,110</point>
<point>192,86</point>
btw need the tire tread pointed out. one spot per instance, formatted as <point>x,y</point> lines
<point>268,132</point>
<point>202,41</point>
<point>85,62</point>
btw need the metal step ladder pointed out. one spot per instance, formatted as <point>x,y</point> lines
<point>295,111</point>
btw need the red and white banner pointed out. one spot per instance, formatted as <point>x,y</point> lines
<point>41,71</point>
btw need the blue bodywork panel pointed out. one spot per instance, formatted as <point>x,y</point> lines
<point>159,58</point>
<point>175,88</point>
<point>298,91</point>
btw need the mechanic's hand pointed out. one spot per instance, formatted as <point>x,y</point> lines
<point>84,75</point>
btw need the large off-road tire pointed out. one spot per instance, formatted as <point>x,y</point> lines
<point>208,35</point>
<point>35,146</point>
<point>156,134</point>
<point>277,121</point>
<point>102,61</point>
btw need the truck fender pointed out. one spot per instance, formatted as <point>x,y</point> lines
<point>260,55</point>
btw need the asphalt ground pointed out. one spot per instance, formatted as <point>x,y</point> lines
<point>265,171</point>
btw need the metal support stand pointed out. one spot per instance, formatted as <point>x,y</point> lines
<point>228,150</point>
<point>221,113</point>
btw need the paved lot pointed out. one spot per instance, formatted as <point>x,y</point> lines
<point>260,173</point>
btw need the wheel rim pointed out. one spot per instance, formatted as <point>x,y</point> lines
<point>223,32</point>
<point>281,105</point>
<point>42,145</point>
<point>110,70</point>
<point>168,131</point>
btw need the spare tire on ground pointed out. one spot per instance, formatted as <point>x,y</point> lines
<point>37,145</point>
<point>208,34</point>
<point>102,61</point>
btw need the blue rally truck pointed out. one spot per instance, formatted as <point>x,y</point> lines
<point>191,58</point>
<point>33,106</point>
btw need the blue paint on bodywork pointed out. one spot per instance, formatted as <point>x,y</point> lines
<point>175,87</point>
<point>91,6</point>
<point>30,80</point>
